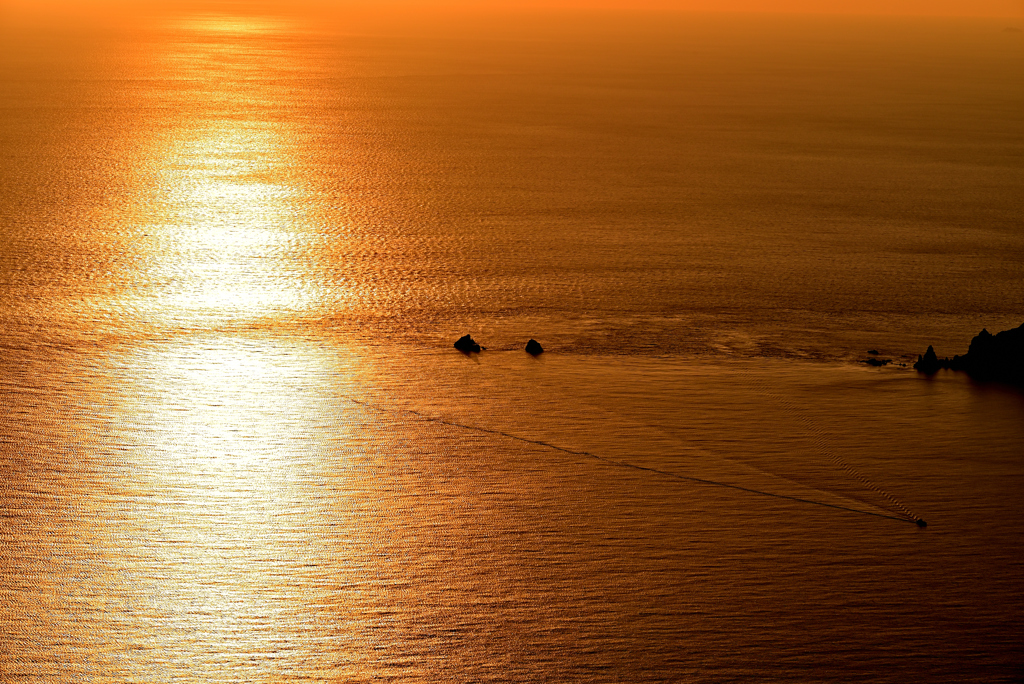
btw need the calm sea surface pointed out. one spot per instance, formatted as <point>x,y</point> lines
<point>236,444</point>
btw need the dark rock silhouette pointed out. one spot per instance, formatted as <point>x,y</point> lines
<point>877,362</point>
<point>929,363</point>
<point>998,357</point>
<point>467,344</point>
<point>533,347</point>
<point>873,352</point>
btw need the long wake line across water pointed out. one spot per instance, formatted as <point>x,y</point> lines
<point>626,464</point>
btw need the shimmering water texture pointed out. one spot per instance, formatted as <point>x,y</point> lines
<point>236,444</point>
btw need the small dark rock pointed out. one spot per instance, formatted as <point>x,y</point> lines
<point>873,352</point>
<point>877,362</point>
<point>921,523</point>
<point>467,344</point>
<point>533,347</point>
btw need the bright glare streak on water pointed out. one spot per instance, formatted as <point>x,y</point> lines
<point>228,246</point>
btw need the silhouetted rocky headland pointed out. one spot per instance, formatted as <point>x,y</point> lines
<point>467,344</point>
<point>533,347</point>
<point>998,357</point>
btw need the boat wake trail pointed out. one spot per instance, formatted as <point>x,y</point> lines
<point>821,442</point>
<point>908,517</point>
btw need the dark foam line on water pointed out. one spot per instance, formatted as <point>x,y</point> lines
<point>634,466</point>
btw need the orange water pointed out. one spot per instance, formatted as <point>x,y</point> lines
<point>237,445</point>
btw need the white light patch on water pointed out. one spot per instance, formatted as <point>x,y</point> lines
<point>223,242</point>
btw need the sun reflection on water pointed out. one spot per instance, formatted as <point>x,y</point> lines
<point>225,243</point>
<point>243,459</point>
<point>227,23</point>
<point>244,484</point>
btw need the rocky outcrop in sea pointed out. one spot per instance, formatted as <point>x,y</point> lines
<point>998,357</point>
<point>467,344</point>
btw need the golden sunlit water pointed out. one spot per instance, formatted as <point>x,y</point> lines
<point>237,445</point>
